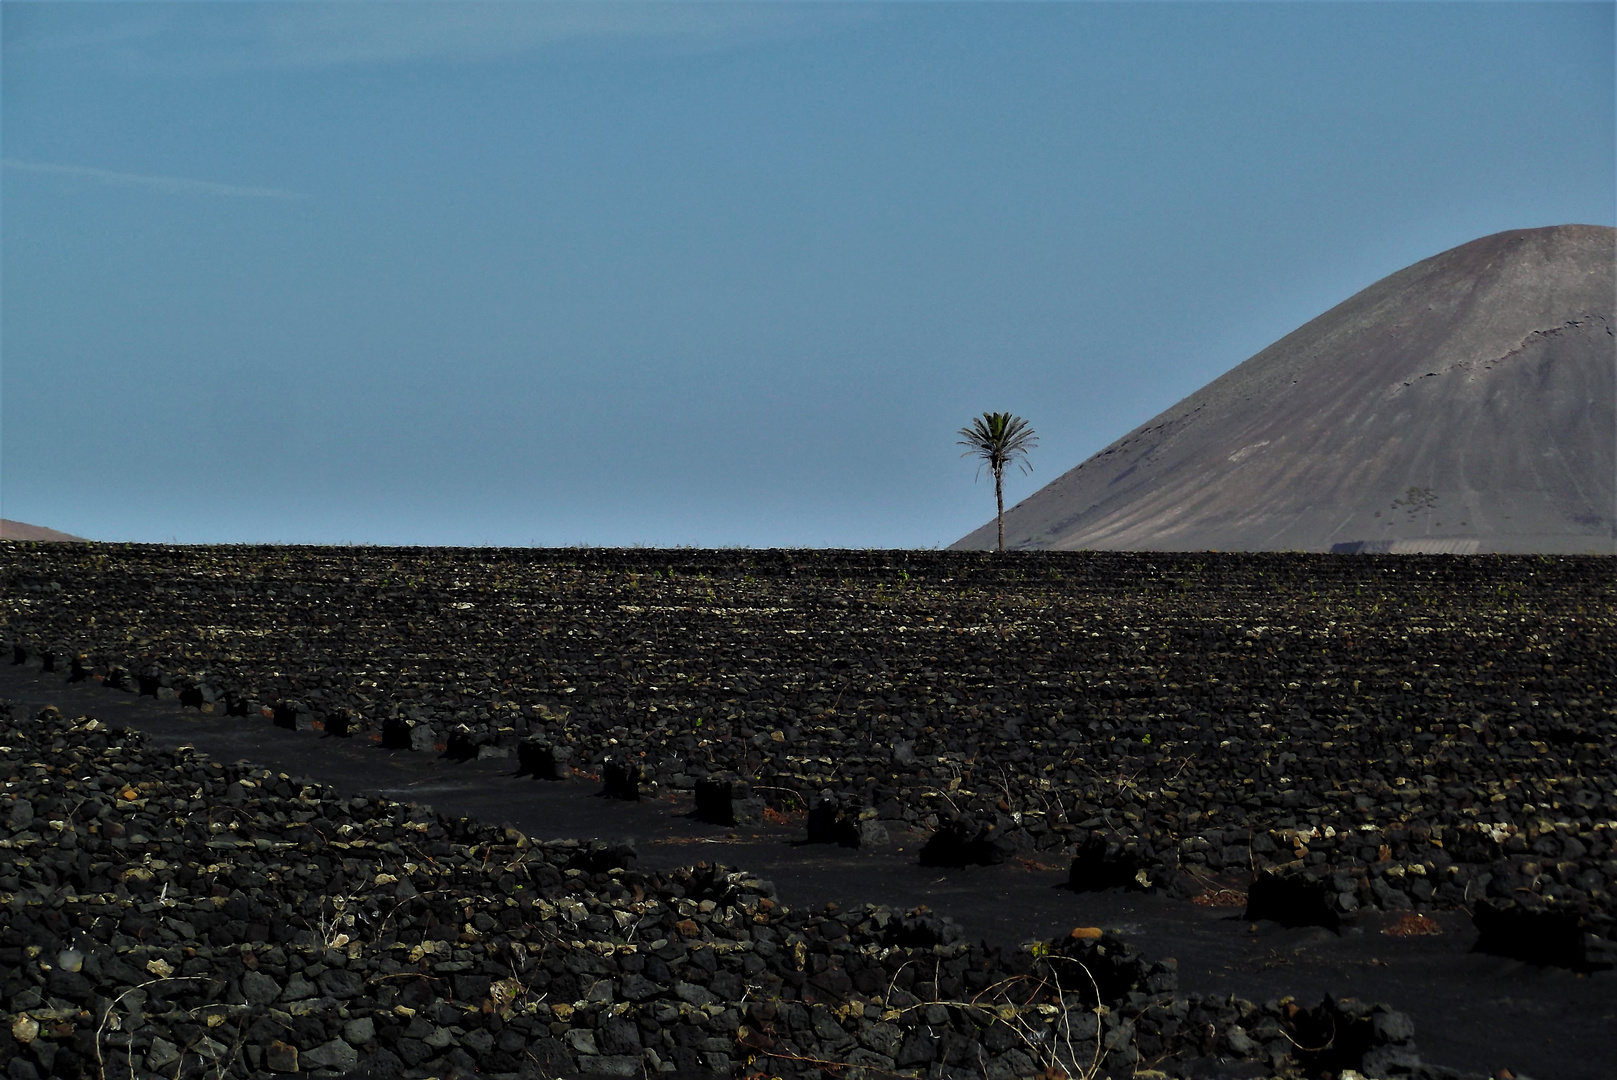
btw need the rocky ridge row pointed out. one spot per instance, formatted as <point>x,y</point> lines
<point>1400,733</point>
<point>171,915</point>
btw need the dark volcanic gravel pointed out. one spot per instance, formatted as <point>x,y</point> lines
<point>170,914</point>
<point>1363,743</point>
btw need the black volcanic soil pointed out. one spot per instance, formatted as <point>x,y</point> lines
<point>1505,663</point>
<point>199,919</point>
<point>1466,403</point>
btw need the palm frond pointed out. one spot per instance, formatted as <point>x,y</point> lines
<point>999,439</point>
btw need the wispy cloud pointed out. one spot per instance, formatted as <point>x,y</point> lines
<point>322,35</point>
<point>207,39</point>
<point>171,185</point>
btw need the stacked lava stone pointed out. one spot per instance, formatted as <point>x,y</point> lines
<point>1398,732</point>
<point>170,915</point>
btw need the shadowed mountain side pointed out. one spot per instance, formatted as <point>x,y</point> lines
<point>1466,403</point>
<point>21,530</point>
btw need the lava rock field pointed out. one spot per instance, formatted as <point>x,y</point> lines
<point>170,915</point>
<point>1318,734</point>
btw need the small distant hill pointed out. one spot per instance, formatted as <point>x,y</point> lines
<point>21,530</point>
<point>1466,403</point>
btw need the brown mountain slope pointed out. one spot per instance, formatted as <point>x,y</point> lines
<point>1466,403</point>
<point>19,530</point>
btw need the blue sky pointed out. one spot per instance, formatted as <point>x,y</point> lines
<point>711,274</point>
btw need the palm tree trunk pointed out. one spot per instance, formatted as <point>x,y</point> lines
<point>999,499</point>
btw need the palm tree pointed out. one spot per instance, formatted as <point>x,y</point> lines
<point>998,438</point>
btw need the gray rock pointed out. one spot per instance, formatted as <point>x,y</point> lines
<point>335,1054</point>
<point>869,1059</point>
<point>1392,1027</point>
<point>470,988</point>
<point>299,988</point>
<point>618,1036</point>
<point>21,816</point>
<point>1009,1066</point>
<point>636,987</point>
<point>873,833</point>
<point>359,1031</point>
<point>259,988</point>
<point>162,1054</point>
<point>551,1057</point>
<point>1240,1042</point>
<point>884,1039</point>
<point>693,994</point>
<point>918,1048</point>
<point>341,983</point>
<point>319,1005</point>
